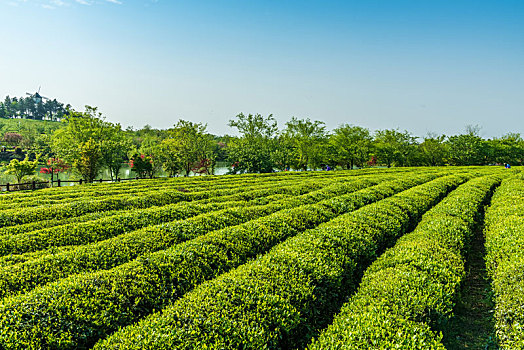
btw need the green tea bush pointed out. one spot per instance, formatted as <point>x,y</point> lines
<point>60,196</point>
<point>120,249</point>
<point>410,290</point>
<point>504,232</point>
<point>77,311</point>
<point>247,193</point>
<point>85,232</point>
<point>280,299</point>
<point>16,216</point>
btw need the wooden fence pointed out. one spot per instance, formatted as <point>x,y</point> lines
<point>36,185</point>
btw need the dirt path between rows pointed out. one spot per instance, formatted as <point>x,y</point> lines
<point>472,327</point>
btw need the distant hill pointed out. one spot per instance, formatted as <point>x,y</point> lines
<point>33,135</point>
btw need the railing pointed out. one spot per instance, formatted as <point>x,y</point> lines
<point>33,185</point>
<point>36,185</point>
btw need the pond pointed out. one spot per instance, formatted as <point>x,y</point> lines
<point>125,173</point>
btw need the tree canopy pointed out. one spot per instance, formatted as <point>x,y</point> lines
<point>88,142</point>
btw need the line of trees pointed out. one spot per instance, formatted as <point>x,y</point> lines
<point>28,108</point>
<point>88,143</point>
<point>305,144</point>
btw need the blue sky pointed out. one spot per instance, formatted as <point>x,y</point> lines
<point>418,65</point>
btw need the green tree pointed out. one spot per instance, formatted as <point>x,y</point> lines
<point>188,144</point>
<point>394,147</point>
<point>254,126</point>
<point>434,150</point>
<point>508,149</point>
<point>468,148</point>
<point>247,156</point>
<point>309,141</point>
<point>146,140</point>
<point>42,145</point>
<point>220,147</point>
<point>252,151</point>
<point>351,145</point>
<point>89,132</point>
<point>88,163</point>
<point>142,165</point>
<point>169,156</point>
<point>114,150</point>
<point>282,153</point>
<point>23,168</point>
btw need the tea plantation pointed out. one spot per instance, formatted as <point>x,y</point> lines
<point>363,259</point>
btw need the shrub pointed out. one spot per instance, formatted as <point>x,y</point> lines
<point>410,290</point>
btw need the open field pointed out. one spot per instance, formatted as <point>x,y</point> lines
<point>375,258</point>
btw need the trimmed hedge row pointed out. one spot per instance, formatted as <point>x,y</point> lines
<point>13,259</point>
<point>166,186</point>
<point>17,216</point>
<point>411,288</point>
<point>77,311</point>
<point>25,215</point>
<point>78,192</point>
<point>120,249</point>
<point>246,193</point>
<point>101,229</point>
<point>104,228</point>
<point>189,181</point>
<point>39,225</point>
<point>280,299</point>
<point>504,232</point>
<point>207,181</point>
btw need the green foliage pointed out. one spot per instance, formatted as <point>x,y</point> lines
<point>114,151</point>
<point>277,300</point>
<point>309,141</point>
<point>88,143</point>
<point>282,154</point>
<point>248,156</point>
<point>178,263</point>
<point>89,162</point>
<point>35,133</point>
<point>468,148</point>
<point>169,156</point>
<point>394,147</point>
<point>252,152</point>
<point>504,232</point>
<point>434,150</point>
<point>254,127</point>
<point>142,165</point>
<point>352,146</point>
<point>17,216</point>
<point>20,169</point>
<point>78,233</point>
<point>410,290</point>
<point>125,247</point>
<point>250,261</point>
<point>42,145</point>
<point>155,265</point>
<point>508,149</point>
<point>28,108</point>
<point>188,144</point>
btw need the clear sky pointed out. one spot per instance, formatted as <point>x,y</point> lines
<point>419,65</point>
